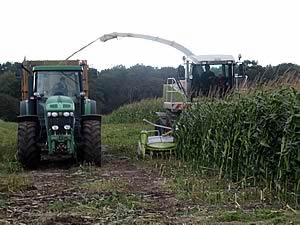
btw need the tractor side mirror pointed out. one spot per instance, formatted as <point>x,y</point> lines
<point>181,72</point>
<point>38,95</point>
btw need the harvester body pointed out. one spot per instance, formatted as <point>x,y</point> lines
<point>200,75</point>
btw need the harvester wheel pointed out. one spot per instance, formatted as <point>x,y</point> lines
<point>91,151</point>
<point>28,154</point>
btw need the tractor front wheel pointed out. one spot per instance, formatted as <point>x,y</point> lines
<point>28,154</point>
<point>91,149</point>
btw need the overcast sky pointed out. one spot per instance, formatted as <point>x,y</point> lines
<point>263,30</point>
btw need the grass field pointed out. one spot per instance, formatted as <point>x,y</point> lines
<point>122,137</point>
<point>135,112</point>
<point>8,145</point>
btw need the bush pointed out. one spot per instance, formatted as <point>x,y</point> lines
<point>9,107</point>
<point>136,112</point>
<point>10,85</point>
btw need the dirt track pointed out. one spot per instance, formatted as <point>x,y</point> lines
<point>121,192</point>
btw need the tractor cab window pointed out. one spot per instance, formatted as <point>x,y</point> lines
<point>51,83</point>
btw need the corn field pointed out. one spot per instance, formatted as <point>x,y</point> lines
<point>253,137</point>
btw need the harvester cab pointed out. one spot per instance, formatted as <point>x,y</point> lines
<point>202,75</point>
<point>56,115</point>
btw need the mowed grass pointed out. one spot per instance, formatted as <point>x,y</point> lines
<point>12,177</point>
<point>121,129</point>
<point>110,208</point>
<point>8,147</point>
<point>123,137</point>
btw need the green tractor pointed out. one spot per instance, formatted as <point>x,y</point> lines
<point>56,116</point>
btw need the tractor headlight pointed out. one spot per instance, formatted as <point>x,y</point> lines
<point>71,114</point>
<point>66,114</point>
<point>67,127</point>
<point>49,114</point>
<point>55,127</point>
<point>54,114</point>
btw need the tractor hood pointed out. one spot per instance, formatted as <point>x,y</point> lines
<point>60,103</point>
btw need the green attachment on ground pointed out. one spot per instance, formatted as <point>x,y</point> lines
<point>155,144</point>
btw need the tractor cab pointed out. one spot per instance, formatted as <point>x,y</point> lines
<point>58,93</point>
<point>57,80</point>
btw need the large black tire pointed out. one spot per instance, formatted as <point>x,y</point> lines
<point>91,149</point>
<point>28,154</point>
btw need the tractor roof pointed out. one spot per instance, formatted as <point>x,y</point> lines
<point>57,67</point>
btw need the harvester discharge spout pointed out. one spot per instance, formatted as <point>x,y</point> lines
<point>188,53</point>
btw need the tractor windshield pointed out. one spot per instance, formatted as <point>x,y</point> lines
<point>51,83</point>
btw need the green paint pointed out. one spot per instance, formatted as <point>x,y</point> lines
<point>67,139</point>
<point>60,104</point>
<point>155,143</point>
<point>87,107</point>
<point>57,68</point>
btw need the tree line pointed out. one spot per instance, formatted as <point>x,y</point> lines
<point>114,87</point>
<point>267,73</point>
<point>117,86</point>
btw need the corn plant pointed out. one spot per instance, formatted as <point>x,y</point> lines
<point>253,135</point>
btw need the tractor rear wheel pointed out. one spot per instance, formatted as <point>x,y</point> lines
<point>91,149</point>
<point>28,154</point>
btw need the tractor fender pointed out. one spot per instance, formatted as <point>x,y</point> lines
<point>25,118</point>
<point>91,117</point>
<point>24,108</point>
